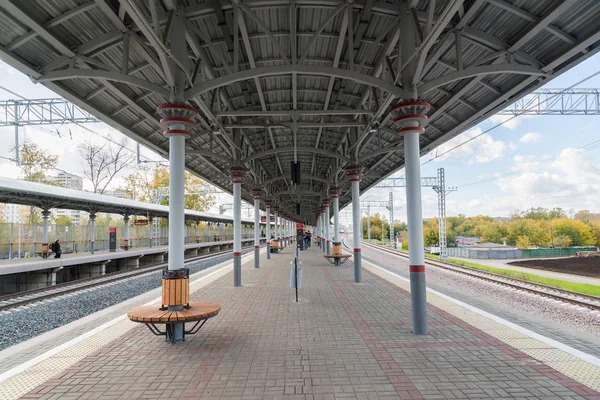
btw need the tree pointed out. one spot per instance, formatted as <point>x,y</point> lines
<point>35,162</point>
<point>431,232</point>
<point>561,241</point>
<point>63,220</point>
<point>586,216</point>
<point>579,232</point>
<point>523,243</point>
<point>102,162</point>
<point>142,183</point>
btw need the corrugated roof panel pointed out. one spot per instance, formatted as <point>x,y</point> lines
<point>502,25</point>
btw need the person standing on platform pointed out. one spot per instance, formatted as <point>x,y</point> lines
<point>308,238</point>
<point>55,247</point>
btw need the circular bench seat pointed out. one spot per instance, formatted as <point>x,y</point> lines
<point>153,314</point>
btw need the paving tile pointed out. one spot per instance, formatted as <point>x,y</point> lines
<point>342,340</point>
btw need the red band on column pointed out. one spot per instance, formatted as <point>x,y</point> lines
<point>256,247</point>
<point>237,253</point>
<point>417,268</point>
<point>357,250</point>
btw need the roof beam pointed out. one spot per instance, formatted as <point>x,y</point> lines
<point>336,60</point>
<point>309,177</point>
<point>445,42</point>
<point>299,149</point>
<point>530,83</point>
<point>318,70</point>
<point>244,32</point>
<point>289,125</point>
<point>102,74</point>
<point>265,29</point>
<point>19,13</point>
<point>318,32</point>
<point>482,70</point>
<point>479,79</point>
<point>266,113</point>
<point>51,24</point>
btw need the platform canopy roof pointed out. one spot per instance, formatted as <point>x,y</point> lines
<point>35,194</point>
<point>315,79</point>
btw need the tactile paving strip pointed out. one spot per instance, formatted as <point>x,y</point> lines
<point>26,381</point>
<point>571,366</point>
<point>17,386</point>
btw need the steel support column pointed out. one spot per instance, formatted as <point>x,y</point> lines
<point>45,216</point>
<point>326,207</point>
<point>126,241</point>
<point>92,231</point>
<point>410,118</point>
<point>176,118</point>
<point>268,227</point>
<point>355,173</point>
<point>151,232</point>
<point>256,194</point>
<point>237,177</point>
<point>334,193</point>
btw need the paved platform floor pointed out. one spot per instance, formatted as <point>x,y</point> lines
<point>342,340</point>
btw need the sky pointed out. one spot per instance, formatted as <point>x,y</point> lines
<point>529,161</point>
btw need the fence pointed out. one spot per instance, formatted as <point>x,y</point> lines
<point>25,240</point>
<point>501,254</point>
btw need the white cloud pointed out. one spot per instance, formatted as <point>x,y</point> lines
<point>530,137</point>
<point>474,147</point>
<point>524,163</point>
<point>569,181</point>
<point>508,121</point>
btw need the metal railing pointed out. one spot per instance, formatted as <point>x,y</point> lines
<point>25,240</point>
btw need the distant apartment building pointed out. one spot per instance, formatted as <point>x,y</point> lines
<point>14,213</point>
<point>68,181</point>
<point>119,192</point>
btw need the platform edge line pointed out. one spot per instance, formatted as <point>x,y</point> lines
<point>534,335</point>
<point>44,356</point>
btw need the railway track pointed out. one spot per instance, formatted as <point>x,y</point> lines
<point>37,295</point>
<point>581,300</point>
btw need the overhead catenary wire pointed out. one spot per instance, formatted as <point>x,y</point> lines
<point>507,120</point>
<point>107,138</point>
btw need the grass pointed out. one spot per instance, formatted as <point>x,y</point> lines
<point>584,288</point>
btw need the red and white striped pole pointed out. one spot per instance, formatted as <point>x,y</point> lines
<point>237,175</point>
<point>177,119</point>
<point>410,120</point>
<point>354,173</point>
<point>256,195</point>
<point>268,204</point>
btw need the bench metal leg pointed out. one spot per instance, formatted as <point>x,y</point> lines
<point>196,328</point>
<point>154,329</point>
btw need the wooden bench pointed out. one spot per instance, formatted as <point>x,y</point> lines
<point>337,259</point>
<point>153,315</point>
<point>176,308</point>
<point>275,246</point>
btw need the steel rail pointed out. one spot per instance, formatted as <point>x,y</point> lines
<point>25,298</point>
<point>590,302</point>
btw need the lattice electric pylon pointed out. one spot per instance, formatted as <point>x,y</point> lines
<point>438,183</point>
<point>442,191</point>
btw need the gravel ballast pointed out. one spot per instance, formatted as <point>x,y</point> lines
<point>27,322</point>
